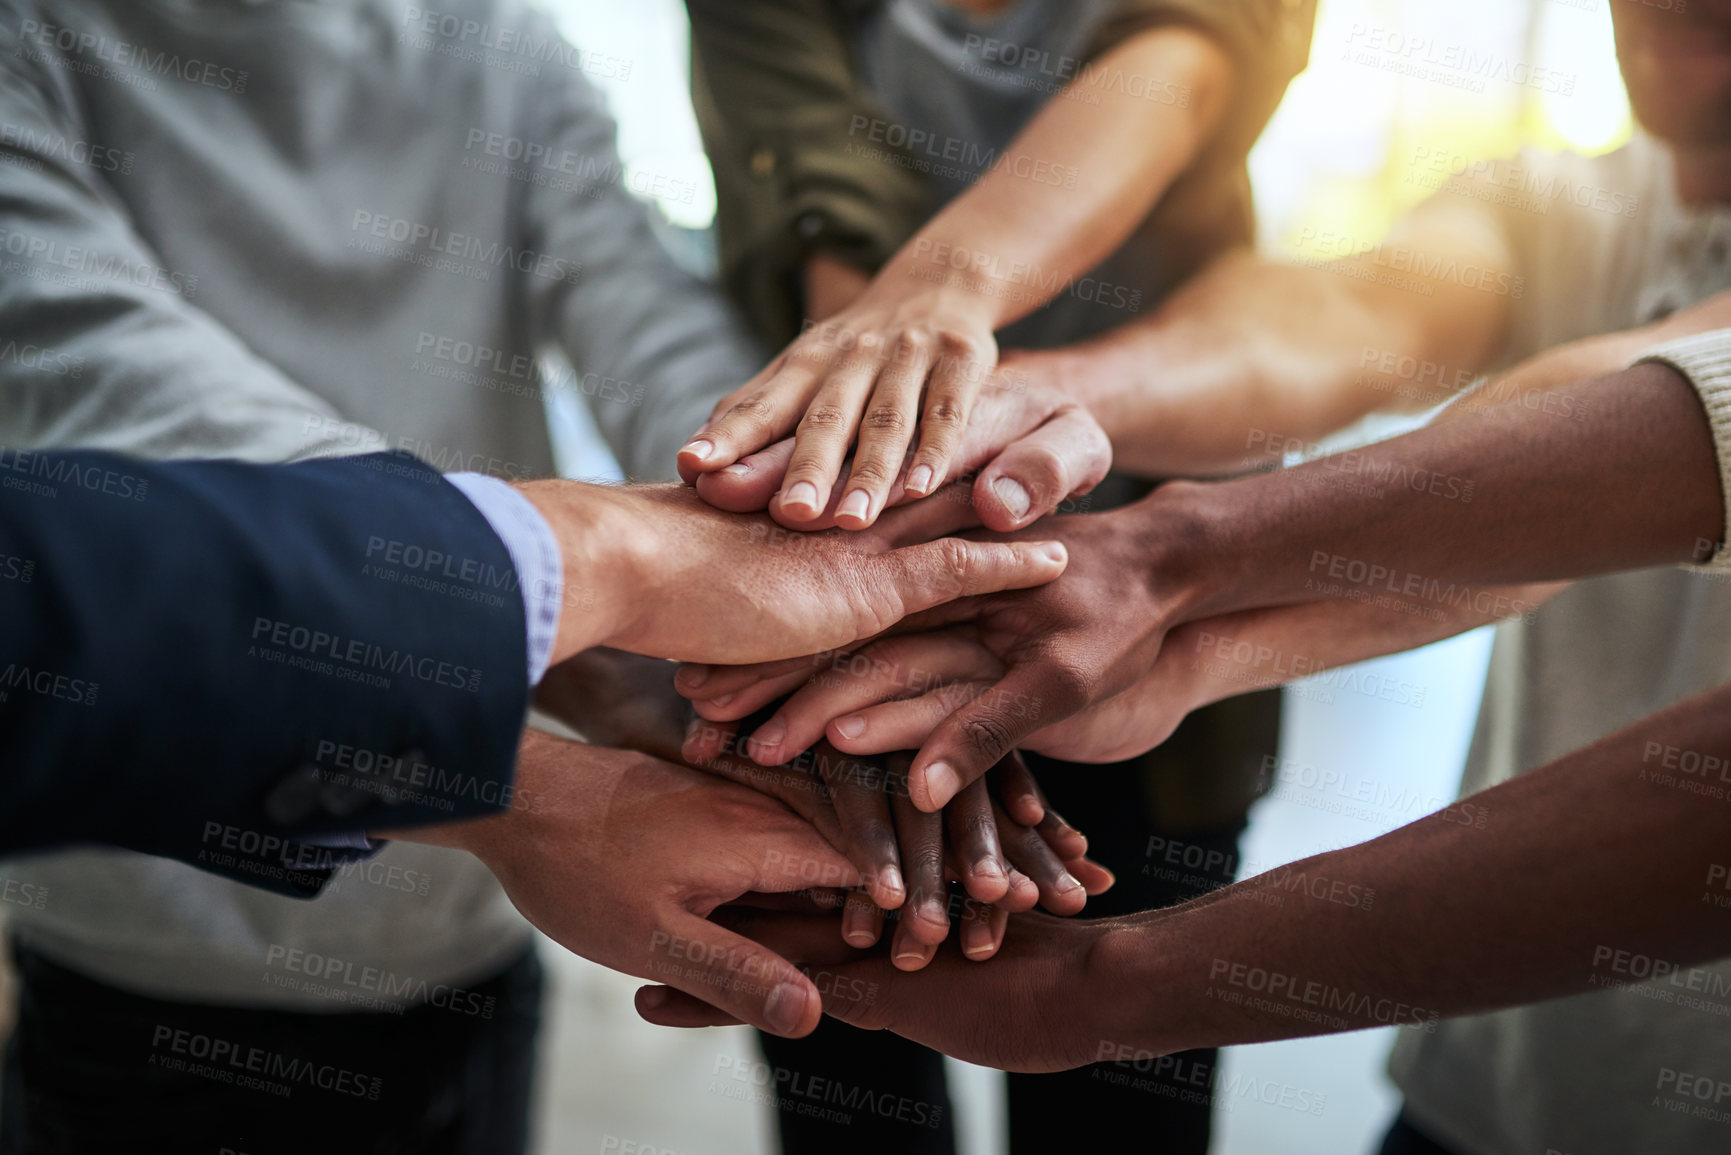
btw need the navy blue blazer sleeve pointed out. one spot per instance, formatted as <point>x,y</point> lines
<point>213,661</point>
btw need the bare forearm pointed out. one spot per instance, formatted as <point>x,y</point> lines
<point>1077,181</point>
<point>1221,657</point>
<point>1479,907</point>
<point>1254,356</point>
<point>1626,478</point>
<point>1206,661</point>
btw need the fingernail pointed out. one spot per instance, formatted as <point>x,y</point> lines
<point>654,998</point>
<point>1054,551</point>
<point>696,728</point>
<point>785,1008</point>
<point>851,726</point>
<point>1013,495</point>
<point>805,494</point>
<point>769,735</point>
<point>920,480</point>
<point>737,469</point>
<point>1066,882</point>
<point>857,927</point>
<point>854,926</point>
<point>988,868</point>
<point>723,700</point>
<point>891,879</point>
<point>976,938</point>
<point>857,504</point>
<point>699,449</point>
<point>691,677</point>
<point>942,783</point>
<point>914,955</point>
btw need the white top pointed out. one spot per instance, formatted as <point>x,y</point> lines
<point>1586,1075</point>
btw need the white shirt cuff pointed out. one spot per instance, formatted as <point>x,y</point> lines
<point>534,551</point>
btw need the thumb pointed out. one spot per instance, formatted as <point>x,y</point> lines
<point>942,571</point>
<point>666,1007</point>
<point>984,731</point>
<point>1068,455</point>
<point>748,484</point>
<point>736,976</point>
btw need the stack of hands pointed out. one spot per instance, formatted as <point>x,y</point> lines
<point>689,838</point>
<point>863,678</point>
<point>759,849</point>
<point>797,827</point>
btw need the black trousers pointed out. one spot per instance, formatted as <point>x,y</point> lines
<point>1167,1107</point>
<point>91,1068</point>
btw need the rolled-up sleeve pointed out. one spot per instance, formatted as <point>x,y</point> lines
<point>1705,359</point>
<point>778,101</point>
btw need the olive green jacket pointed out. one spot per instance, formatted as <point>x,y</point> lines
<point>775,93</point>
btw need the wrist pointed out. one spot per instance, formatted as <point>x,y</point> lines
<point>491,837</point>
<point>598,562</point>
<point>1200,566</point>
<point>923,280</point>
<point>1142,1026</point>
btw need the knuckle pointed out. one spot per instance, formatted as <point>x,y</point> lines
<point>808,471</point>
<point>957,557</point>
<point>886,419</point>
<point>926,861</point>
<point>815,348</point>
<point>980,822</point>
<point>954,344</point>
<point>805,469</point>
<point>1070,685</point>
<point>945,416</point>
<point>872,472</point>
<point>910,345</point>
<point>987,732</point>
<point>752,412</point>
<point>824,418</point>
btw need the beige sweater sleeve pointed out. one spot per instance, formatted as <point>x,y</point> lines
<point>1705,359</point>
